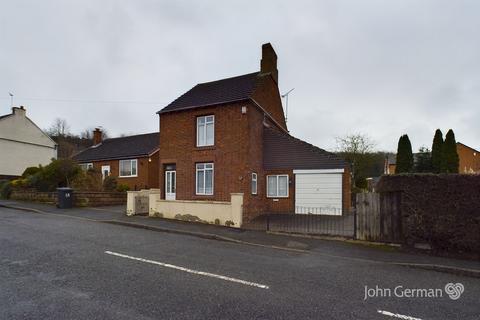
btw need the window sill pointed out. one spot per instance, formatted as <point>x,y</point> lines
<point>128,176</point>
<point>205,148</point>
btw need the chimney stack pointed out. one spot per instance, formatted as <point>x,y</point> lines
<point>269,61</point>
<point>19,110</point>
<point>97,136</point>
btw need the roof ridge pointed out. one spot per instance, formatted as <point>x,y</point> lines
<point>229,78</point>
<point>135,135</point>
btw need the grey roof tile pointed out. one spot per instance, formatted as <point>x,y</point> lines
<point>124,147</point>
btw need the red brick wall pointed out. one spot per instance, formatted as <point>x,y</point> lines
<point>147,172</point>
<point>229,154</point>
<point>469,160</point>
<point>268,97</point>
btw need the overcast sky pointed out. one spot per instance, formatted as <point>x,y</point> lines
<point>383,68</point>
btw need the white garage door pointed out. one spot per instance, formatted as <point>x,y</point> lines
<point>318,191</point>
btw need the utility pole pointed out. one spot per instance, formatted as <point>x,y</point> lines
<point>285,95</point>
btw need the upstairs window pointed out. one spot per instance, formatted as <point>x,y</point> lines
<point>205,131</point>
<point>128,168</point>
<point>277,186</point>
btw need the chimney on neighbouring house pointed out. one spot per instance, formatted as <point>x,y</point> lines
<point>97,136</point>
<point>269,61</point>
<point>19,110</point>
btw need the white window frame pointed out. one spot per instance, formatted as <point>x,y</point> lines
<point>204,178</point>
<point>86,166</point>
<point>212,122</point>
<point>254,181</point>
<point>131,168</point>
<point>276,193</point>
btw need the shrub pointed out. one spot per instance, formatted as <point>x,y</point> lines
<point>30,171</point>
<point>109,183</point>
<point>19,183</point>
<point>90,180</point>
<point>123,188</point>
<point>59,173</point>
<point>5,190</point>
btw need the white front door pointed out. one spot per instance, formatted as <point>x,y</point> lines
<point>170,184</point>
<point>105,171</point>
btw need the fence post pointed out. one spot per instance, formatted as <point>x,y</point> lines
<point>355,223</point>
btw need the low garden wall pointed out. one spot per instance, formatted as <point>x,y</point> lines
<point>441,210</point>
<point>213,212</point>
<point>80,198</point>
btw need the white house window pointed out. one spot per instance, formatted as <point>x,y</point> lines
<point>204,179</point>
<point>86,166</point>
<point>128,168</point>
<point>277,186</point>
<point>254,183</point>
<point>205,131</point>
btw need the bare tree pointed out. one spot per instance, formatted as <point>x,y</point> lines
<point>59,128</point>
<point>356,149</point>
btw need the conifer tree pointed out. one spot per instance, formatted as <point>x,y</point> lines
<point>437,151</point>
<point>404,155</point>
<point>450,155</point>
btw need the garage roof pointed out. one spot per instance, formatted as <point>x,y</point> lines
<point>282,151</point>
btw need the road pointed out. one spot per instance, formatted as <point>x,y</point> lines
<point>55,267</point>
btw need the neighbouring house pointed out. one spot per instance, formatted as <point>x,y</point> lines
<point>390,164</point>
<point>22,144</point>
<point>230,136</point>
<point>133,160</point>
<point>469,159</point>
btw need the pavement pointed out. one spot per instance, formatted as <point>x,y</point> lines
<point>73,266</point>
<point>333,247</point>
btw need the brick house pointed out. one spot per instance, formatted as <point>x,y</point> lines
<point>133,160</point>
<point>230,136</point>
<point>469,159</point>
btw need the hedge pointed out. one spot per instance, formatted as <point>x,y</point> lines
<point>441,210</point>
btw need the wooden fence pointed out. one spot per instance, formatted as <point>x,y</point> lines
<point>379,216</point>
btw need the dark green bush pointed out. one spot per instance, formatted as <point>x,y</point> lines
<point>30,171</point>
<point>90,180</point>
<point>109,183</point>
<point>59,173</point>
<point>123,187</point>
<point>5,189</point>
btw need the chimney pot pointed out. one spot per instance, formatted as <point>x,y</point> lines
<point>19,110</point>
<point>268,64</point>
<point>97,136</point>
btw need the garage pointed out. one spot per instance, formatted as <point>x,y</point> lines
<point>318,191</point>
